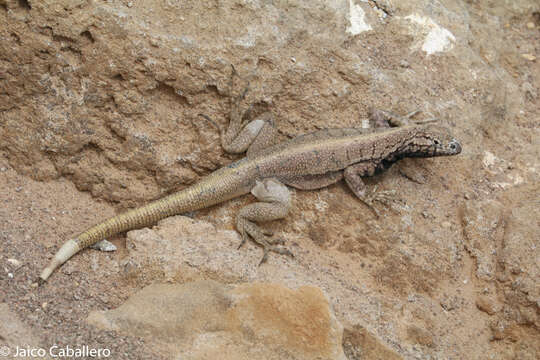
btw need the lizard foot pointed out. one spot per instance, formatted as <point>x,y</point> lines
<point>263,239</point>
<point>383,118</point>
<point>386,197</point>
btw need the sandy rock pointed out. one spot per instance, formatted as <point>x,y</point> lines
<point>205,317</point>
<point>101,99</point>
<point>16,334</point>
<point>361,344</point>
<point>483,224</point>
<point>487,304</point>
<point>419,335</point>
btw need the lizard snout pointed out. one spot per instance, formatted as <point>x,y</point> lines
<point>455,146</point>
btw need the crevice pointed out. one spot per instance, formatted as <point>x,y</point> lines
<point>264,63</point>
<point>16,38</point>
<point>88,35</point>
<point>72,49</point>
<point>384,7</point>
<point>213,90</point>
<point>67,43</point>
<point>25,4</point>
<point>536,17</point>
<point>172,92</point>
<point>62,38</point>
<point>119,77</point>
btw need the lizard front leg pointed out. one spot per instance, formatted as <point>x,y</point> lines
<point>384,118</point>
<point>353,177</point>
<point>275,203</point>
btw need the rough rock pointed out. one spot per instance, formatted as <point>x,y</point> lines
<point>99,105</point>
<point>206,319</point>
<point>16,337</point>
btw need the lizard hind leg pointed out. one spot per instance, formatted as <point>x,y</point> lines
<point>242,134</point>
<point>274,203</point>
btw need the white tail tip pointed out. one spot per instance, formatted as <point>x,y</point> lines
<point>67,250</point>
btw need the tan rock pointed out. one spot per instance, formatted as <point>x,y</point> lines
<point>16,334</point>
<point>420,336</point>
<point>358,343</point>
<point>482,225</point>
<point>487,304</point>
<point>262,320</point>
<point>105,95</point>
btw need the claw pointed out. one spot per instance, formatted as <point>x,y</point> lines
<point>261,237</point>
<point>385,197</point>
<point>207,118</point>
<point>267,248</point>
<point>267,232</point>
<point>277,241</point>
<point>426,121</point>
<point>264,257</point>
<point>412,113</point>
<point>244,237</point>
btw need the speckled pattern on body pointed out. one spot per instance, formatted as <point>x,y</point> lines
<point>310,161</point>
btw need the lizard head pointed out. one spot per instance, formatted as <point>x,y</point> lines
<point>434,140</point>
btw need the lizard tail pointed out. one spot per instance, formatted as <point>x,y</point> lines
<point>132,219</point>
<point>70,248</point>
<point>193,198</point>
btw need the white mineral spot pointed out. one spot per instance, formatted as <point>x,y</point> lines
<point>14,262</point>
<point>365,123</point>
<point>489,159</point>
<point>357,18</point>
<point>321,205</point>
<point>438,39</point>
<point>249,39</point>
<point>516,179</point>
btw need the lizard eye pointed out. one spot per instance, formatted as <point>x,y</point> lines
<point>453,146</point>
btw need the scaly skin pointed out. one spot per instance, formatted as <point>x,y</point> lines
<point>308,162</point>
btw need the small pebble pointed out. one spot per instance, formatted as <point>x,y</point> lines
<point>3,169</point>
<point>10,275</point>
<point>530,25</point>
<point>104,245</point>
<point>529,57</point>
<point>18,188</point>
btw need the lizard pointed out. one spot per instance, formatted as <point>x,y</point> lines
<point>307,162</point>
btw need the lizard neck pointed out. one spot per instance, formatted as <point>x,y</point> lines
<point>400,146</point>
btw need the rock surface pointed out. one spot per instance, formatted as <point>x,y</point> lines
<point>16,336</point>
<point>99,105</point>
<point>206,319</point>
